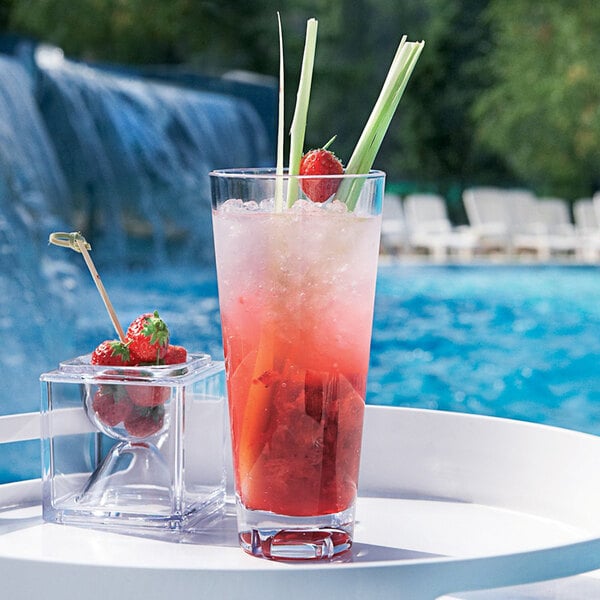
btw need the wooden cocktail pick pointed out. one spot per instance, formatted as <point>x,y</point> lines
<point>77,242</point>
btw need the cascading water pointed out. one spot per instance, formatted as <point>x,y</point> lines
<point>33,200</point>
<point>122,159</point>
<point>137,154</point>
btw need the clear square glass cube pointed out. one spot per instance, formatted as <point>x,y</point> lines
<point>134,448</point>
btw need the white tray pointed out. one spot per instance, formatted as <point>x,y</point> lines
<point>449,502</point>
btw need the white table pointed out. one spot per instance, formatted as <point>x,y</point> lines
<point>449,503</point>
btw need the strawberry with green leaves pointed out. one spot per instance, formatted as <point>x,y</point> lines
<point>148,338</point>
<point>320,162</point>
<point>114,353</point>
<point>139,407</point>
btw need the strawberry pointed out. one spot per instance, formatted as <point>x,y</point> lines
<point>111,404</point>
<point>320,162</point>
<point>148,338</point>
<point>113,353</point>
<point>143,422</point>
<point>148,395</point>
<point>175,355</point>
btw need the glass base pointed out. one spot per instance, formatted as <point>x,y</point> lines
<point>206,512</point>
<point>131,491</point>
<point>282,537</point>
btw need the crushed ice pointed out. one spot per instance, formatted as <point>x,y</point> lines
<point>337,207</point>
<point>305,206</point>
<point>301,206</point>
<point>268,204</point>
<point>233,204</point>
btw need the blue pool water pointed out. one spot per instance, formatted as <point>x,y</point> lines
<point>520,341</point>
<point>512,341</point>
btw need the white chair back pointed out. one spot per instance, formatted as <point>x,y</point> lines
<point>554,213</point>
<point>585,215</point>
<point>426,212</point>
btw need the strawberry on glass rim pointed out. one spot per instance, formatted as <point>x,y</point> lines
<point>175,355</point>
<point>113,353</point>
<point>368,144</point>
<point>320,162</point>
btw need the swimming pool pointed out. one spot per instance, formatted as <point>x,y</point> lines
<point>512,341</point>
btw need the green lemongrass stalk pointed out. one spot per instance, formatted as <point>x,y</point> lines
<point>368,145</point>
<point>280,128</point>
<point>298,127</point>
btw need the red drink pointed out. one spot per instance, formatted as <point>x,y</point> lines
<point>296,428</point>
<point>296,293</point>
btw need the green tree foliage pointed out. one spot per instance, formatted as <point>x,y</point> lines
<point>542,112</point>
<point>5,12</point>
<point>434,145</point>
<point>506,91</point>
<point>356,45</point>
<point>132,31</point>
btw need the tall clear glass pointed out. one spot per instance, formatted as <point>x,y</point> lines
<point>296,285</point>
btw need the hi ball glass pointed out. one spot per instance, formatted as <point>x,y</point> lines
<point>296,294</point>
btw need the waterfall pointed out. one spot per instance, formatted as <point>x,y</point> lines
<point>136,155</point>
<point>36,288</point>
<point>120,158</point>
<point>123,159</point>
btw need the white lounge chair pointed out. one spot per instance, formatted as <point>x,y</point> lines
<point>526,228</point>
<point>555,214</point>
<point>561,230</point>
<point>596,203</point>
<point>547,230</point>
<point>587,226</point>
<point>489,213</point>
<point>430,228</point>
<point>393,225</point>
<point>585,216</point>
